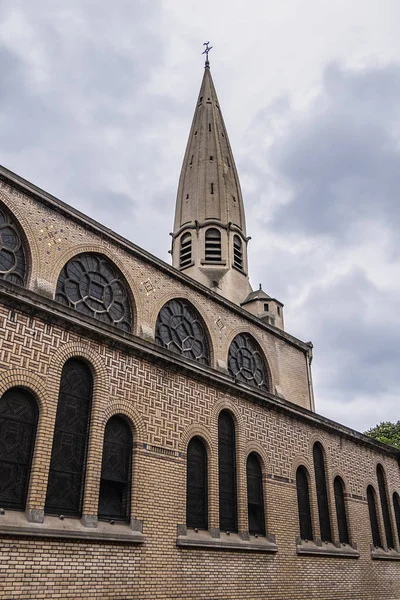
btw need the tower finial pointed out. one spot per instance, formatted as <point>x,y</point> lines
<point>206,51</point>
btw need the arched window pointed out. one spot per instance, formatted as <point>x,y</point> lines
<point>18,422</point>
<point>322,493</point>
<point>237,252</point>
<point>185,254</point>
<point>213,251</point>
<point>385,506</point>
<point>303,503</point>
<point>373,517</point>
<point>68,455</point>
<point>396,506</point>
<point>255,495</point>
<point>227,473</point>
<point>196,485</point>
<point>116,469</point>
<point>246,362</point>
<point>92,285</point>
<point>12,255</point>
<point>341,511</point>
<point>180,328</point>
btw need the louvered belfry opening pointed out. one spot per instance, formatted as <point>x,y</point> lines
<point>255,495</point>
<point>68,456</point>
<point>385,506</point>
<point>196,485</point>
<point>213,250</point>
<point>341,511</point>
<point>116,469</point>
<point>227,473</point>
<point>396,506</point>
<point>18,423</point>
<point>185,254</point>
<point>373,517</point>
<point>303,502</point>
<point>237,252</point>
<point>322,493</point>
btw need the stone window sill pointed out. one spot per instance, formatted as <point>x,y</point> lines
<point>15,523</point>
<point>211,263</point>
<point>224,541</point>
<point>319,548</point>
<point>382,554</point>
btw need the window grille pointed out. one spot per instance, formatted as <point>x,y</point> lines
<point>255,496</point>
<point>396,506</point>
<point>116,468</point>
<point>246,363</point>
<point>385,506</point>
<point>237,252</point>
<point>213,251</point>
<point>91,284</point>
<point>18,422</point>
<point>12,255</point>
<point>68,456</point>
<point>322,494</point>
<point>185,255</point>
<point>373,517</point>
<point>227,473</point>
<point>341,511</point>
<point>303,502</point>
<point>196,485</point>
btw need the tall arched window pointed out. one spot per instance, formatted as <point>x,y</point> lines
<point>68,456</point>
<point>385,506</point>
<point>396,506</point>
<point>373,517</point>
<point>255,495</point>
<point>18,422</point>
<point>180,328</point>
<point>246,362</point>
<point>341,511</point>
<point>196,485</point>
<point>227,473</point>
<point>237,252</point>
<point>185,253</point>
<point>322,493</point>
<point>116,469</point>
<point>12,255</point>
<point>303,503</point>
<point>213,251</point>
<point>92,285</point>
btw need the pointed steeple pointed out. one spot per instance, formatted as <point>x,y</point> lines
<point>209,238</point>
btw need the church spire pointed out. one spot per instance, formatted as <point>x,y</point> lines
<point>209,238</point>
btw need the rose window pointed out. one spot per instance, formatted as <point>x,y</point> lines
<point>12,257</point>
<point>245,362</point>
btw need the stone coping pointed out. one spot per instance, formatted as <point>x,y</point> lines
<point>384,554</point>
<point>225,541</point>
<point>318,548</point>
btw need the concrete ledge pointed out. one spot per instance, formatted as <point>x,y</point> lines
<point>309,548</point>
<point>381,554</point>
<point>233,541</point>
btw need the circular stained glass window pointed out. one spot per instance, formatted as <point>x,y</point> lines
<point>12,256</point>
<point>246,363</point>
<point>180,329</point>
<point>91,284</point>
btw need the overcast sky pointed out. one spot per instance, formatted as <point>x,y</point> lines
<point>96,102</point>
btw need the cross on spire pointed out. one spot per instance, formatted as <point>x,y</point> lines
<point>207,50</point>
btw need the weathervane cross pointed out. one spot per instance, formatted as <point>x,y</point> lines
<point>207,50</point>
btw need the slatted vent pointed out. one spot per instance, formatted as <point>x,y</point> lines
<point>185,255</point>
<point>237,252</point>
<point>213,246</point>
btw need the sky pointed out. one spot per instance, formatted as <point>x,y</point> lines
<point>96,102</point>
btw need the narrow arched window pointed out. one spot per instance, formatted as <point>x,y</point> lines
<point>196,485</point>
<point>341,511</point>
<point>396,506</point>
<point>185,253</point>
<point>385,506</point>
<point>255,495</point>
<point>246,362</point>
<point>68,455</point>
<point>18,422</point>
<point>116,469</point>
<point>213,251</point>
<point>12,254</point>
<point>303,503</point>
<point>237,252</point>
<point>227,473</point>
<point>373,517</point>
<point>322,493</point>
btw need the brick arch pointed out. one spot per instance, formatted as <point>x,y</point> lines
<point>132,283</point>
<point>29,381</point>
<point>302,461</point>
<point>257,448</point>
<point>313,439</point>
<point>259,341</point>
<point>230,406</point>
<point>336,472</point>
<point>29,239</point>
<point>197,430</point>
<point>125,409</point>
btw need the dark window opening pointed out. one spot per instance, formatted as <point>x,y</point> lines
<point>278,310</point>
<point>187,196</point>
<point>213,250</point>
<point>385,506</point>
<point>209,127</point>
<point>341,511</point>
<point>396,506</point>
<point>255,495</point>
<point>227,160</point>
<point>303,502</point>
<point>200,99</point>
<point>237,252</point>
<point>196,485</point>
<point>227,473</point>
<point>212,188</point>
<point>322,493</point>
<point>211,158</point>
<point>266,307</point>
<point>195,133</point>
<point>191,158</point>
<point>185,254</point>
<point>233,198</point>
<point>373,517</point>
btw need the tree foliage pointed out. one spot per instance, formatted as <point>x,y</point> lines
<point>386,432</point>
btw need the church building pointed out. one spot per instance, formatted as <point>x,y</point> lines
<point>158,433</point>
